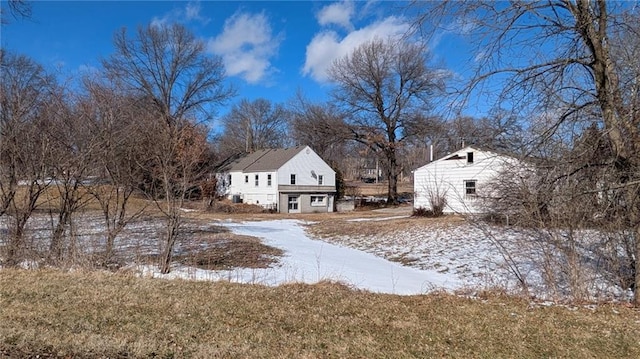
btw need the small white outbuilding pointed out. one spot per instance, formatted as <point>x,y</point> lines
<point>461,178</point>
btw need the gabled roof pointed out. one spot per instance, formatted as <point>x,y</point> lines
<point>462,154</point>
<point>263,160</point>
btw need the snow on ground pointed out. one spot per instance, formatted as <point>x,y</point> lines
<point>445,256</point>
<point>481,256</point>
<point>310,261</point>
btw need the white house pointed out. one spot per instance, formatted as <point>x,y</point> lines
<point>460,177</point>
<point>291,180</point>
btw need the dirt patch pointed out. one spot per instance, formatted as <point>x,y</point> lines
<point>226,251</point>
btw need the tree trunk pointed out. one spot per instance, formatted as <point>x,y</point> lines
<point>392,177</point>
<point>173,225</point>
<point>635,220</point>
<point>16,242</point>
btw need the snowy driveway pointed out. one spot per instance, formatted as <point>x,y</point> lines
<point>310,261</point>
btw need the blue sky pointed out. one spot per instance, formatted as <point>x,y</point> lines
<point>270,49</point>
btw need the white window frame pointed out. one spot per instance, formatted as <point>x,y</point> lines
<point>246,178</point>
<point>467,189</point>
<point>318,201</point>
<point>269,179</point>
<point>292,178</point>
<point>320,180</point>
<point>256,180</point>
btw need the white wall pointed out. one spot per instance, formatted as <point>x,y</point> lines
<point>301,165</point>
<point>252,194</point>
<point>447,177</point>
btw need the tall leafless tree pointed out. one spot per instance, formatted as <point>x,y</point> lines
<point>321,126</point>
<point>113,120</point>
<point>168,66</point>
<point>254,125</point>
<point>72,161</point>
<point>25,94</point>
<point>381,85</point>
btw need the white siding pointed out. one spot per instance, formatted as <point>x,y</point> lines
<point>252,194</point>
<point>447,177</point>
<point>306,165</point>
<point>302,166</point>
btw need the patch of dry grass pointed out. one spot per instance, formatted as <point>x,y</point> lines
<point>379,189</point>
<point>344,227</point>
<point>88,315</point>
<point>226,251</point>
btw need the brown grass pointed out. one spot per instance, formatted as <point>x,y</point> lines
<point>344,227</point>
<point>226,251</point>
<point>90,315</point>
<point>379,189</point>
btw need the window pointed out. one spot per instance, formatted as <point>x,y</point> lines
<point>320,180</point>
<point>318,200</point>
<point>229,180</point>
<point>246,179</point>
<point>257,180</point>
<point>269,180</point>
<point>470,188</point>
<point>469,157</point>
<point>293,178</point>
<point>293,203</point>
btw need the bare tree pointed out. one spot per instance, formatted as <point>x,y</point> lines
<point>178,157</point>
<point>321,126</point>
<point>168,67</point>
<point>25,91</point>
<point>569,76</point>
<point>72,160</point>
<point>253,125</point>
<point>17,9</point>
<point>382,84</point>
<point>113,121</point>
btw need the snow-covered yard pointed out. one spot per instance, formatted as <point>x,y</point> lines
<point>457,257</point>
<point>310,261</point>
<point>452,256</point>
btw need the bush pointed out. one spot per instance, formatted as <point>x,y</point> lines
<point>437,201</point>
<point>225,206</point>
<point>425,212</point>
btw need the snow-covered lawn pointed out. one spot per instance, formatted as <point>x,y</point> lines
<point>310,261</point>
<point>419,258</point>
<point>478,256</point>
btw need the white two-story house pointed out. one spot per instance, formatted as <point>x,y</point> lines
<point>291,180</point>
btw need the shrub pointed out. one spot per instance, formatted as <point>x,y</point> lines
<point>437,201</point>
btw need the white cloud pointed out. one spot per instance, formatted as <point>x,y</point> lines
<point>338,14</point>
<point>159,21</point>
<point>327,46</point>
<point>190,13</point>
<point>246,46</point>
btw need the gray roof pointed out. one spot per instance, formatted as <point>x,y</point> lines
<point>264,160</point>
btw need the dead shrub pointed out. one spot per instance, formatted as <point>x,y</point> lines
<point>425,212</point>
<point>226,206</point>
<point>438,202</point>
